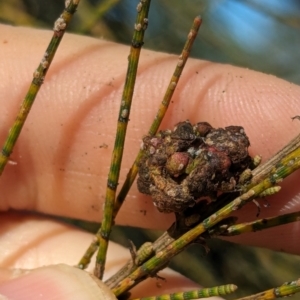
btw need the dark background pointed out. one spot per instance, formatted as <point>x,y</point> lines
<point>261,35</point>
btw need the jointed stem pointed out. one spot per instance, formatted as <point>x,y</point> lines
<point>38,78</point>
<point>161,110</point>
<point>196,294</point>
<point>262,224</point>
<point>152,131</point>
<point>262,170</point>
<point>285,290</point>
<point>114,172</point>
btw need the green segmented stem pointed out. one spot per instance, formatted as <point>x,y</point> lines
<point>284,167</point>
<point>285,290</point>
<point>145,252</point>
<point>161,110</point>
<point>114,172</point>
<point>221,290</point>
<point>262,170</point>
<point>270,191</point>
<point>38,77</point>
<point>262,224</point>
<point>85,260</point>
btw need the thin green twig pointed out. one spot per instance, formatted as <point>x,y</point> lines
<point>285,290</point>
<point>260,172</point>
<point>114,172</point>
<point>262,224</point>
<point>221,290</point>
<point>59,28</point>
<point>161,111</point>
<point>85,260</point>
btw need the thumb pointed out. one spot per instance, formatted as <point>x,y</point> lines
<point>32,242</point>
<point>52,282</point>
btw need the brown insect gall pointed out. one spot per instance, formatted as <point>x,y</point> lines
<point>192,161</point>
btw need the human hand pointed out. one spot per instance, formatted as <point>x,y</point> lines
<point>63,162</point>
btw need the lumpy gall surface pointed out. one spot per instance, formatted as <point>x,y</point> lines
<point>192,161</point>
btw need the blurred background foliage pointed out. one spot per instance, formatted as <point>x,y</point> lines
<point>261,35</point>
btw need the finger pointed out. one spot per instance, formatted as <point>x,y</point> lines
<point>63,162</point>
<point>42,245</point>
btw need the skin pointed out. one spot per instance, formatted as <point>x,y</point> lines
<point>62,164</point>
